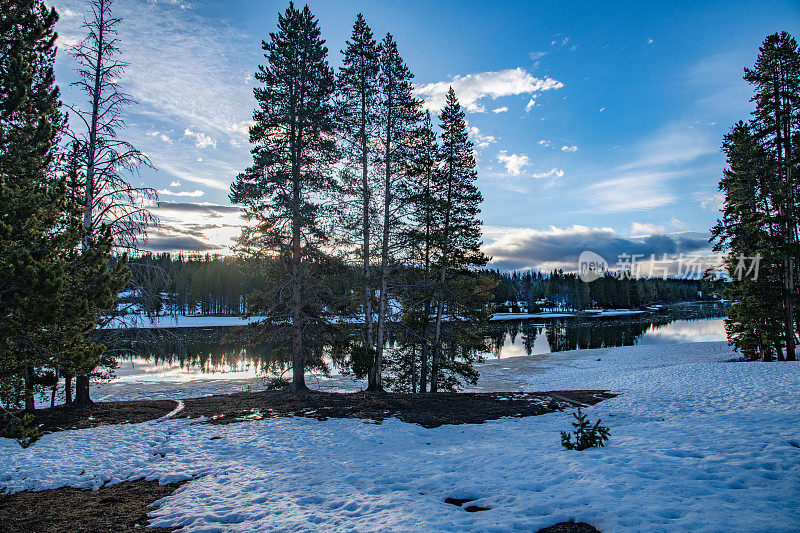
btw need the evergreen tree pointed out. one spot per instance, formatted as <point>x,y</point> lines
<point>282,192</point>
<point>358,93</point>
<point>424,196</point>
<point>399,116</point>
<point>460,232</point>
<point>746,230</point>
<point>760,212</point>
<point>31,198</point>
<point>776,124</point>
<point>93,279</point>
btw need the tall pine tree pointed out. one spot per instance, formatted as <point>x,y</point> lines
<point>399,117</point>
<point>460,232</point>
<point>776,124</point>
<point>284,190</point>
<point>357,111</point>
<point>760,215</point>
<point>32,197</point>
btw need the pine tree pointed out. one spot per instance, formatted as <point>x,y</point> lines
<point>423,192</point>
<point>747,230</point>
<point>357,101</point>
<point>399,117</point>
<point>776,124</point>
<point>460,233</point>
<point>94,276</point>
<point>31,198</point>
<point>282,192</point>
<point>760,212</point>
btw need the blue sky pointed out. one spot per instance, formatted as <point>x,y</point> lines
<point>597,126</point>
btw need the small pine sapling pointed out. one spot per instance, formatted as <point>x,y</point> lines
<point>24,430</point>
<point>586,434</point>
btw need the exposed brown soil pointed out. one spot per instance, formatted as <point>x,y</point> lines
<point>427,410</point>
<point>64,417</point>
<point>122,507</point>
<point>570,527</point>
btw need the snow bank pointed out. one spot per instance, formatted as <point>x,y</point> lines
<point>698,443</point>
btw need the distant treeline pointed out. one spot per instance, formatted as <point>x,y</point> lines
<point>218,285</point>
<point>537,290</point>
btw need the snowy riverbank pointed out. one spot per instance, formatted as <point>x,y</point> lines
<point>698,443</point>
<point>206,321</point>
<point>589,313</point>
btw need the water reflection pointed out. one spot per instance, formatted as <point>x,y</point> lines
<point>183,354</point>
<point>683,323</point>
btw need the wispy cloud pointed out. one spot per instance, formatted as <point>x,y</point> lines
<point>193,175</point>
<point>675,143</point>
<point>502,109</point>
<point>471,88</point>
<point>572,148</point>
<point>163,136</point>
<point>632,192</point>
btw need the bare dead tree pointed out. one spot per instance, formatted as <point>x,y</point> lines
<point>108,161</point>
<point>109,200</point>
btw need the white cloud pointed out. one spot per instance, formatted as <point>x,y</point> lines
<point>479,140</point>
<point>500,110</point>
<point>537,55</point>
<point>602,109</point>
<point>531,104</point>
<point>514,163</point>
<point>163,136</point>
<point>175,184</point>
<point>192,194</point>
<point>650,40</point>
<point>471,88</point>
<point>710,200</point>
<point>544,142</point>
<point>554,173</point>
<point>572,148</point>
<point>201,140</point>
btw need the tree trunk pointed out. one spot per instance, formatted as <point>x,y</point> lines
<point>298,366</point>
<point>82,397</point>
<point>298,363</point>
<point>68,389</point>
<point>414,369</point>
<point>437,340</point>
<point>423,357</point>
<point>369,343</point>
<point>54,391</point>
<point>374,380</point>
<point>30,404</point>
<point>437,334</point>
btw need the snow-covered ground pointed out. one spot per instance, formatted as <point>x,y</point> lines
<point>699,442</point>
<point>180,321</point>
